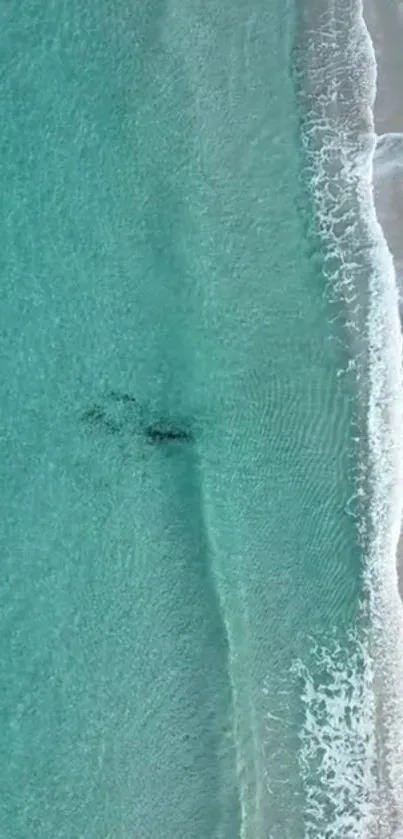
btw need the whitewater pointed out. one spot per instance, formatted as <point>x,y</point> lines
<point>351,755</point>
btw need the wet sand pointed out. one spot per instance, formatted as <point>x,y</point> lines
<point>385,22</point>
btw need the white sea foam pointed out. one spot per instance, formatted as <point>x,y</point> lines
<point>385,443</point>
<point>352,735</point>
<point>388,181</point>
<point>337,752</point>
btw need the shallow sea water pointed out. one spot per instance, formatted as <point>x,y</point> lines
<point>168,605</point>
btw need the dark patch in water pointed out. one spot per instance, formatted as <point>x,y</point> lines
<point>160,434</point>
<point>96,416</point>
<point>125,398</point>
<point>116,417</point>
<point>120,414</point>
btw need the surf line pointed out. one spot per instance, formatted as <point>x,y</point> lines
<point>385,454</point>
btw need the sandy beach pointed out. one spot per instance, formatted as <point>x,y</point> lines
<point>385,23</point>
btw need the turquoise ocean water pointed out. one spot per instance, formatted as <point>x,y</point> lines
<point>182,645</point>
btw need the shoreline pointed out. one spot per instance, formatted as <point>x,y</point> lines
<point>385,415</point>
<point>385,27</point>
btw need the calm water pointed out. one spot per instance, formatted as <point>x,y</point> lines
<point>162,602</point>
